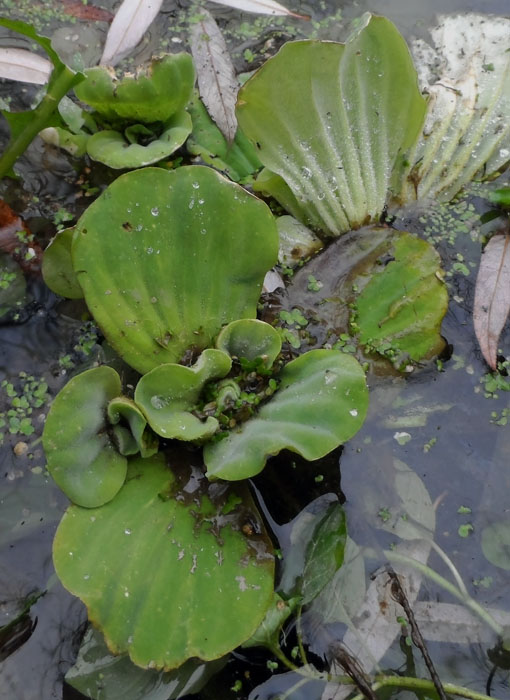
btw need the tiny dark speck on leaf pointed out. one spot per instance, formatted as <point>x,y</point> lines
<point>127,226</point>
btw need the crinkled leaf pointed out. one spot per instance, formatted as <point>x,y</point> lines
<point>262,7</point>
<point>23,65</point>
<point>237,160</point>
<point>112,148</point>
<point>321,402</point>
<point>81,455</point>
<point>335,122</point>
<point>121,412</point>
<point>57,266</point>
<point>154,95</point>
<point>161,570</point>
<point>166,258</point>
<point>492,296</point>
<point>168,394</point>
<point>217,81</point>
<point>324,554</point>
<point>401,307</point>
<point>130,23</point>
<point>496,544</point>
<point>100,675</point>
<point>250,339</point>
<point>466,133</point>
<point>268,633</point>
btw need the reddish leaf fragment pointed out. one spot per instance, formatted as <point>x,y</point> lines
<point>492,296</point>
<point>75,8</point>
<point>17,240</point>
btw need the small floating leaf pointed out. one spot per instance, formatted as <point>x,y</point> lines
<point>492,296</point>
<point>57,266</point>
<point>82,457</point>
<point>173,567</point>
<point>321,402</point>
<point>168,394</point>
<point>250,339</point>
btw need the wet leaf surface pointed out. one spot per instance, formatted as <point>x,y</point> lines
<point>492,296</point>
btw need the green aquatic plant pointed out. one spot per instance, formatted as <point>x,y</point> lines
<point>171,264</point>
<point>136,120</point>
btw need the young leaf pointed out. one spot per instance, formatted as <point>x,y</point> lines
<point>28,67</point>
<point>129,25</point>
<point>262,7</point>
<point>492,296</point>
<point>217,80</point>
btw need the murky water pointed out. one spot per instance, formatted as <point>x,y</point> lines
<point>439,421</point>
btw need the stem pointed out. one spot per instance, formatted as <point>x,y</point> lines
<point>40,116</point>
<point>448,586</point>
<point>424,684</point>
<point>302,652</point>
<point>449,563</point>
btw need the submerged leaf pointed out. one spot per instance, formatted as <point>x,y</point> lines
<point>101,675</point>
<point>166,258</point>
<point>81,455</point>
<point>174,566</point>
<point>130,23</point>
<point>217,81</point>
<point>496,544</point>
<point>334,121</point>
<point>492,296</point>
<point>23,65</point>
<point>321,402</point>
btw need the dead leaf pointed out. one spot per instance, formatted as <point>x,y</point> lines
<point>217,82</point>
<point>23,65</point>
<point>129,25</point>
<point>492,296</point>
<point>262,7</point>
<point>17,240</point>
<point>76,8</point>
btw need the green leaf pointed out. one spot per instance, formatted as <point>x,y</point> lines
<point>114,150</point>
<point>496,544</point>
<point>250,339</point>
<point>168,393</point>
<point>153,96</point>
<point>57,266</point>
<point>166,258</point>
<point>325,553</point>
<point>81,455</point>
<point>100,675</point>
<point>168,574</point>
<point>501,197</point>
<point>237,160</point>
<point>123,409</point>
<point>401,308</point>
<point>321,402</point>
<point>335,122</point>
<point>268,633</point>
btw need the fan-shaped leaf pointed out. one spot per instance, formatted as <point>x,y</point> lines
<point>82,457</point>
<point>321,402</point>
<point>112,148</point>
<point>161,570</point>
<point>165,259</point>
<point>335,122</point>
<point>168,393</point>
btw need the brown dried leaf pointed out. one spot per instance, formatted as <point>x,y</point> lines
<point>492,296</point>
<point>76,8</point>
<point>217,82</point>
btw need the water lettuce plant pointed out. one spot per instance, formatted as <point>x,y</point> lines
<point>171,265</point>
<point>136,120</point>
